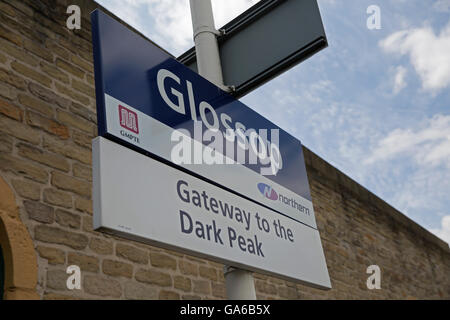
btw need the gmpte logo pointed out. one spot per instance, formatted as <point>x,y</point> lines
<point>128,119</point>
<point>267,191</point>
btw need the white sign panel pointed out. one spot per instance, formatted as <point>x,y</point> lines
<point>145,200</point>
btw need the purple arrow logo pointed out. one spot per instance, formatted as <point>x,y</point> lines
<point>267,191</point>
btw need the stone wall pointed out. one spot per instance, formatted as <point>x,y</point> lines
<point>47,122</point>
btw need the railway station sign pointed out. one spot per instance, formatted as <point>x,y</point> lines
<point>178,148</point>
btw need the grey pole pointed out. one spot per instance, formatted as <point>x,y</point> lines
<point>206,47</point>
<point>239,283</point>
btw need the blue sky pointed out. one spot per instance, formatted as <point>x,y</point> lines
<point>375,103</point>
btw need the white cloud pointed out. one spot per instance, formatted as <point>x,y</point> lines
<point>429,145</point>
<point>420,192</point>
<point>127,11</point>
<point>225,11</point>
<point>168,22</point>
<point>327,2</point>
<point>399,79</point>
<point>172,23</point>
<point>429,54</point>
<point>410,168</point>
<point>444,231</point>
<point>442,5</point>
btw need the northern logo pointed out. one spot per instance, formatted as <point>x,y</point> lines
<point>128,119</point>
<point>267,191</point>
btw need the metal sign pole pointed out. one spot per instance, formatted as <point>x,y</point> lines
<point>205,41</point>
<point>239,283</point>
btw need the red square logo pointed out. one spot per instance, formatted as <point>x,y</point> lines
<point>128,119</point>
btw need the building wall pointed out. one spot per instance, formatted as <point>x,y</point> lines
<point>47,122</point>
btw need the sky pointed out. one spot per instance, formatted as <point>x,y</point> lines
<point>375,104</point>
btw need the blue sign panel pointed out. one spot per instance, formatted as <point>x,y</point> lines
<point>150,102</point>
